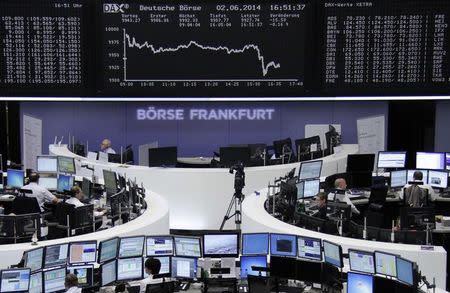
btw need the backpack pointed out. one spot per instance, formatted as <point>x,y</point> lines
<point>415,196</point>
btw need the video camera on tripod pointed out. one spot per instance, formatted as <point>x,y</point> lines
<point>239,178</point>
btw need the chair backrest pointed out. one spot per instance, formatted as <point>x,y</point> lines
<point>26,225</point>
<point>83,216</point>
<point>416,237</point>
<point>7,226</point>
<point>257,284</point>
<point>415,196</point>
<point>25,205</point>
<point>62,211</point>
<point>164,287</point>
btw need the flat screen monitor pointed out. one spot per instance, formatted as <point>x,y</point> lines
<point>282,267</point>
<point>15,178</point>
<point>108,272</point>
<point>405,271</point>
<point>230,156</point>
<point>187,246</point>
<point>110,180</point>
<point>221,245</point>
<point>184,268</point>
<point>391,159</point>
<point>36,283</point>
<point>56,255</point>
<point>361,261</point>
<point>131,246</point>
<point>308,188</point>
<point>438,179</point>
<point>54,280</point>
<point>424,174</point>
<point>359,283</point>
<point>92,156</point>
<point>332,254</point>
<point>360,162</point>
<point>47,164</point>
<point>309,248</point>
<point>280,145</point>
<point>82,252</point>
<point>103,157</point>
<point>50,183</point>
<point>129,268</point>
<point>162,157</point>
<point>399,178</point>
<point>283,245</point>
<point>84,273</point>
<point>257,243</point>
<point>249,261</point>
<point>165,266</point>
<point>108,250</point>
<point>310,170</point>
<point>447,161</point>
<point>86,187</point>
<point>385,264</point>
<point>431,161</point>
<point>65,182</point>
<point>34,259</point>
<point>66,165</point>
<point>159,245</point>
<point>15,280</point>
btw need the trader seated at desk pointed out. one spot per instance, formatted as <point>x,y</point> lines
<point>40,193</point>
<point>105,147</point>
<point>340,194</point>
<point>152,267</point>
<point>415,197</point>
<point>76,196</point>
<point>321,204</point>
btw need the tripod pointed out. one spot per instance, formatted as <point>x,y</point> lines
<point>238,197</point>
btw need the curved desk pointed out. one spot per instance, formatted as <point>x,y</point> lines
<point>431,263</point>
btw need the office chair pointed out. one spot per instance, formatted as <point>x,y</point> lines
<point>416,237</point>
<point>258,284</point>
<point>329,181</point>
<point>25,205</point>
<point>7,229</point>
<point>374,218</point>
<point>26,226</point>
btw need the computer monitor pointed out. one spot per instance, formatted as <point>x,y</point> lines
<point>438,179</point>
<point>131,246</point>
<point>447,161</point>
<point>411,175</point>
<point>34,259</point>
<point>108,250</point>
<point>187,246</point>
<point>255,243</point>
<point>391,160</point>
<point>15,280</point>
<point>159,245</point>
<point>431,161</point>
<point>84,273</point>
<point>230,156</point>
<point>82,252</point>
<point>165,266</point>
<point>15,178</point>
<point>165,156</point>
<point>308,188</point>
<point>360,162</point>
<point>66,165</point>
<point>56,255</point>
<point>385,264</point>
<point>36,283</point>
<point>54,280</point>
<point>129,268</point>
<point>221,245</point>
<point>310,170</point>
<point>282,267</point>
<point>47,164</point>
<point>86,187</point>
<point>249,261</point>
<point>359,283</point>
<point>50,183</point>
<point>103,157</point>
<point>110,180</point>
<point>399,178</point>
<point>92,156</point>
<point>332,254</point>
<point>309,248</point>
<point>279,145</point>
<point>184,268</point>
<point>361,261</point>
<point>108,273</point>
<point>65,182</point>
<point>283,245</point>
<point>405,271</point>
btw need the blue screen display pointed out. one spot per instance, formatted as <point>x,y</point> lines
<point>15,178</point>
<point>283,245</point>
<point>64,183</point>
<point>248,261</point>
<point>405,271</point>
<point>255,243</point>
<point>358,283</point>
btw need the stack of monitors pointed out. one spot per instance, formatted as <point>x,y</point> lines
<point>255,248</point>
<point>187,250</point>
<point>130,261</point>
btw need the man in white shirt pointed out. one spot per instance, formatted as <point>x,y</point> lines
<point>71,284</point>
<point>77,195</point>
<point>341,184</point>
<point>40,193</point>
<point>105,147</point>
<point>152,267</point>
<point>418,177</point>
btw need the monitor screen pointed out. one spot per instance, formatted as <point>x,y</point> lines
<point>361,261</point>
<point>66,165</point>
<point>332,254</point>
<point>424,174</point>
<point>165,265</point>
<point>103,157</point>
<point>131,246</point>
<point>166,156</point>
<point>385,264</point>
<point>54,280</point>
<point>308,188</point>
<point>108,272</point>
<point>34,259</point>
<point>432,161</point>
<point>15,178</point>
<point>256,261</point>
<point>447,161</point>
<point>405,271</point>
<point>221,245</point>
<point>65,182</point>
<point>255,243</point>
<point>50,183</point>
<point>36,283</point>
<point>110,180</point>
<point>47,164</point>
<point>398,178</point>
<point>283,245</point>
<point>129,268</point>
<point>184,268</point>
<point>309,248</point>
<point>15,280</point>
<point>391,159</point>
<point>108,250</point>
<point>86,187</point>
<point>159,245</point>
<point>360,162</point>
<point>84,273</point>
<point>56,255</point>
<point>187,246</point>
<point>82,252</point>
<point>91,156</point>
<point>438,179</point>
<point>310,170</point>
<point>359,283</point>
